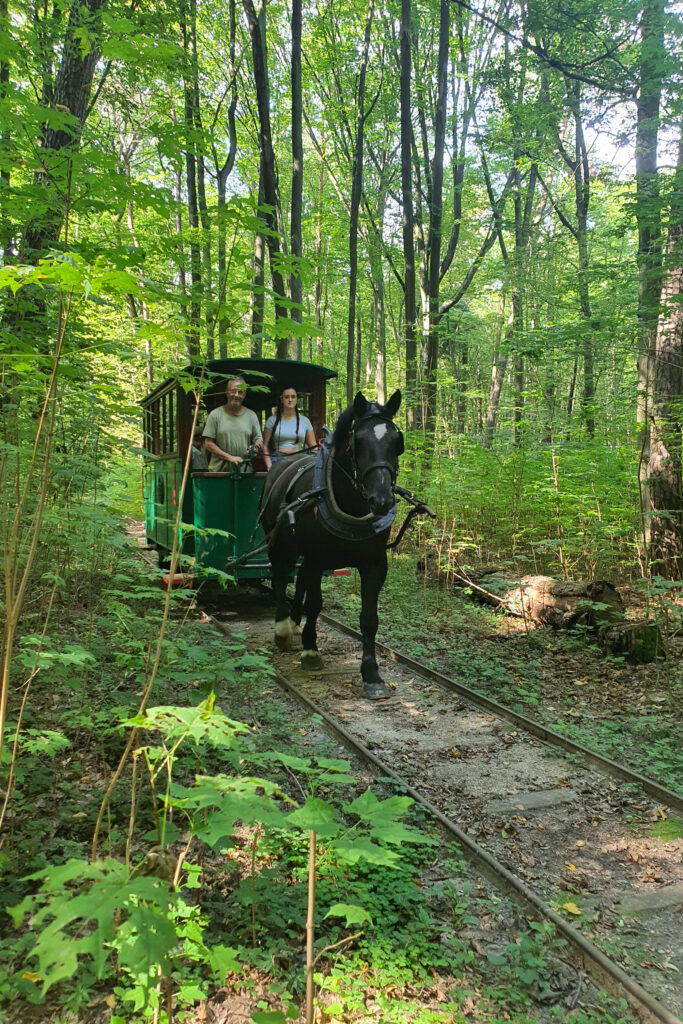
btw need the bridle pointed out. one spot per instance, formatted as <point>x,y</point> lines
<point>391,467</point>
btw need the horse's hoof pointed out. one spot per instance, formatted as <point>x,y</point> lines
<point>376,691</point>
<point>311,660</point>
<point>283,634</point>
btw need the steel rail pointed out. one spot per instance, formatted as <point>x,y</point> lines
<point>666,796</point>
<point>603,971</point>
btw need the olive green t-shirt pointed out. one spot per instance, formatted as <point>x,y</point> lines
<point>233,434</point>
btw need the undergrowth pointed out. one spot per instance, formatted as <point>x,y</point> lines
<point>198,881</point>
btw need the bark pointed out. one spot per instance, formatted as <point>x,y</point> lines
<point>270,182</point>
<point>377,278</point>
<point>206,263</point>
<point>138,311</point>
<point>664,464</point>
<point>435,225</point>
<point>649,234</point>
<point>223,171</point>
<point>318,293</point>
<point>70,95</point>
<point>408,219</point>
<point>356,189</point>
<point>194,311</point>
<point>542,599</point>
<point>295,282</point>
<point>5,227</point>
<point>580,170</point>
<point>461,375</point>
<point>500,360</point>
<point>178,225</point>
<point>258,295</point>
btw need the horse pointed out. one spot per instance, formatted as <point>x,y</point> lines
<point>335,508</point>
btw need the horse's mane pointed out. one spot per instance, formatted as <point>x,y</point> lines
<point>342,428</point>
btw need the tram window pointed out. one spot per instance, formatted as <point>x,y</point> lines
<point>164,424</point>
<point>147,431</point>
<point>155,429</point>
<point>171,420</point>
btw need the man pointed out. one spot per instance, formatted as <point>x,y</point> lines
<point>231,430</point>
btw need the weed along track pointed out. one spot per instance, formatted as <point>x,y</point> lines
<point>570,843</point>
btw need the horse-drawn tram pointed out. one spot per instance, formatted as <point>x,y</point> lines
<point>219,521</point>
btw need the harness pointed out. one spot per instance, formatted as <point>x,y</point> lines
<point>337,522</point>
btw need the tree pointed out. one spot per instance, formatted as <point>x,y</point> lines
<point>664,465</point>
<point>270,186</point>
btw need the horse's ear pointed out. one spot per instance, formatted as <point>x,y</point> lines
<point>360,404</point>
<point>392,406</point>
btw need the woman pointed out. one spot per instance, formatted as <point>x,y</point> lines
<point>288,431</point>
<point>231,429</point>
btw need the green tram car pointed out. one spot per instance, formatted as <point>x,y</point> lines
<point>224,502</point>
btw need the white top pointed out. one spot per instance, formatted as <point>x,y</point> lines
<point>286,434</point>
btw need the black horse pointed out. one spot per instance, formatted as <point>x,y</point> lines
<point>335,508</point>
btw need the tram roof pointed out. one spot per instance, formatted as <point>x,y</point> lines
<point>302,376</point>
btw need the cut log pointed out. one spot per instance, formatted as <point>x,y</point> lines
<point>565,605</point>
<point>542,599</point>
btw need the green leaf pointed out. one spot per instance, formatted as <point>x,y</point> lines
<point>350,851</point>
<point>352,913</point>
<point>316,815</point>
<point>378,812</point>
<point>223,960</point>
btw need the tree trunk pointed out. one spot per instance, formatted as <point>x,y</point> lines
<point>356,187</point>
<point>71,95</point>
<point>206,264</point>
<point>664,464</point>
<point>223,172</point>
<point>500,362</point>
<point>580,170</point>
<point>258,295</point>
<point>435,226</point>
<point>318,293</point>
<point>295,282</point>
<point>270,184</point>
<point>408,219</point>
<point>649,235</point>
<point>195,307</point>
<point>377,276</point>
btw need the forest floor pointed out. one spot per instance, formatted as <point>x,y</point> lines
<point>591,848</point>
<point>441,946</point>
<point>631,713</point>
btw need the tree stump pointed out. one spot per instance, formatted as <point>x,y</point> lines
<point>639,642</point>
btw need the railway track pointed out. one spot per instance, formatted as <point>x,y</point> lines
<point>571,837</point>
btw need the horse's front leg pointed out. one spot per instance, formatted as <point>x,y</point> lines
<point>311,581</point>
<point>372,579</point>
<point>297,604</point>
<point>282,560</point>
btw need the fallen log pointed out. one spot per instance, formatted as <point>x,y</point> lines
<point>594,604</point>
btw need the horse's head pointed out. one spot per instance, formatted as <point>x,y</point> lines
<point>376,444</point>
